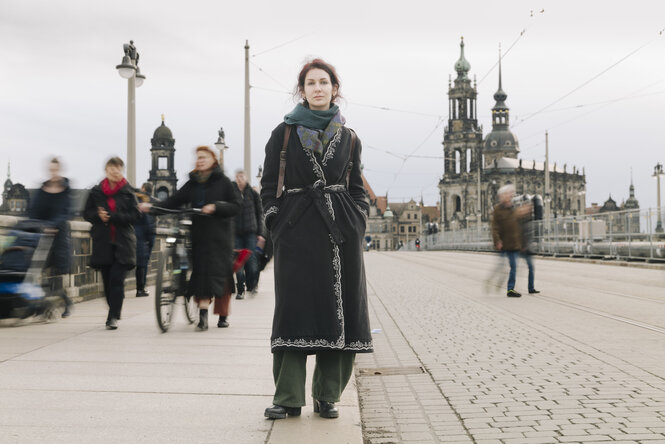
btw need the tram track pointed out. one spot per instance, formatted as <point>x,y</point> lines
<point>413,259</point>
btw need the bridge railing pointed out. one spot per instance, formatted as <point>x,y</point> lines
<point>631,234</point>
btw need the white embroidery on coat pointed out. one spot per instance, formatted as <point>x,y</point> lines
<point>330,152</point>
<point>271,210</point>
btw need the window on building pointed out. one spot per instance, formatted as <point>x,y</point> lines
<point>468,160</point>
<point>458,203</point>
<point>163,163</point>
<point>401,229</point>
<point>408,215</point>
<point>457,162</point>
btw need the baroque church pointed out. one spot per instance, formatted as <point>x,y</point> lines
<point>476,167</point>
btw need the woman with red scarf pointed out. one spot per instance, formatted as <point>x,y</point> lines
<point>112,209</point>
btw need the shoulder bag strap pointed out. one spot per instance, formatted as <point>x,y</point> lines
<point>350,164</point>
<point>282,161</point>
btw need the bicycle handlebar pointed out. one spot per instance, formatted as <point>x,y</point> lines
<point>176,210</point>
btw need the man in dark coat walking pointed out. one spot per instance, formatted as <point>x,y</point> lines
<point>249,232</point>
<point>507,232</point>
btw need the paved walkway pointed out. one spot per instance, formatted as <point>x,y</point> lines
<point>455,361</point>
<point>72,381</point>
<point>584,361</point>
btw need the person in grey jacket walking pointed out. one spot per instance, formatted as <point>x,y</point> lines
<point>249,233</point>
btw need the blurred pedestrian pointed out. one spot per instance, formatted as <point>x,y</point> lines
<point>507,232</point>
<point>316,209</point>
<point>209,189</point>
<point>145,239</point>
<point>53,203</point>
<point>112,210</point>
<point>249,233</point>
<point>532,213</point>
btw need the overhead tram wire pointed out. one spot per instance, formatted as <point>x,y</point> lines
<point>282,44</point>
<point>588,81</point>
<point>519,37</point>
<point>605,104</point>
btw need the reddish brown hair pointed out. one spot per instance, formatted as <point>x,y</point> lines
<point>318,64</point>
<point>209,150</point>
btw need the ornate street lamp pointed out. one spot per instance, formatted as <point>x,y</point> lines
<point>129,69</point>
<point>657,172</point>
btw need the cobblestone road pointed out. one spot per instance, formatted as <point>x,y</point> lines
<point>584,361</point>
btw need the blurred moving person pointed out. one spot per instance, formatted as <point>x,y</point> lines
<point>53,204</point>
<point>209,189</point>
<point>112,210</point>
<point>249,234</point>
<point>145,239</point>
<point>507,233</point>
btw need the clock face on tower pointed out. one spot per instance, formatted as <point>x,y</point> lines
<point>457,125</point>
<point>162,194</point>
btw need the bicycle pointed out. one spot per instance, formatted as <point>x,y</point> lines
<point>173,271</point>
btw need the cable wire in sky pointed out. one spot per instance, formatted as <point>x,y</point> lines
<point>585,83</point>
<point>282,44</point>
<point>519,37</point>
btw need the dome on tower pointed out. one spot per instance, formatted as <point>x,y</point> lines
<point>462,66</point>
<point>162,132</point>
<point>501,140</point>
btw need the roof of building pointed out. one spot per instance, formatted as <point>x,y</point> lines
<point>430,213</point>
<point>508,163</point>
<point>368,188</point>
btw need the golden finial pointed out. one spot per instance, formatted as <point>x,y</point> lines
<point>162,117</point>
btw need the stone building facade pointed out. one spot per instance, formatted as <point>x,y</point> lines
<point>476,167</point>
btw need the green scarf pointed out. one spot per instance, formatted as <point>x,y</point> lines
<point>309,118</point>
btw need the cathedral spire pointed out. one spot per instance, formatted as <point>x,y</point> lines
<point>500,96</point>
<point>462,66</point>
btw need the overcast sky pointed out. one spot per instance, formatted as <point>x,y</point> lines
<point>61,94</point>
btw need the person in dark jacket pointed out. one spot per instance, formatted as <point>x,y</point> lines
<point>248,233</point>
<point>145,239</point>
<point>112,210</point>
<point>507,232</point>
<point>53,203</point>
<point>316,210</point>
<point>209,189</point>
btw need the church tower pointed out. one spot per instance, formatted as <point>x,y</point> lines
<point>462,145</point>
<point>163,175</point>
<point>462,136</point>
<point>501,142</point>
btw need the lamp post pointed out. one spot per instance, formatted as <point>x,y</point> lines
<point>221,145</point>
<point>657,172</point>
<point>129,69</point>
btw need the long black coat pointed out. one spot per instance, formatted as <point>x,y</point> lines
<point>317,227</point>
<point>212,236</point>
<point>123,218</point>
<point>145,230</point>
<point>56,208</point>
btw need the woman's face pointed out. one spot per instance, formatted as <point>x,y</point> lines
<point>114,173</point>
<point>318,89</point>
<point>204,161</point>
<point>54,170</point>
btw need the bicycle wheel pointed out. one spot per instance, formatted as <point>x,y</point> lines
<point>165,290</point>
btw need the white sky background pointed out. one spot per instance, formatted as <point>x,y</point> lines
<point>61,94</point>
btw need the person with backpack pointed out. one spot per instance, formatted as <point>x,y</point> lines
<point>316,209</point>
<point>249,233</point>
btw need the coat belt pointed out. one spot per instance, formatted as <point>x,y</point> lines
<point>315,194</point>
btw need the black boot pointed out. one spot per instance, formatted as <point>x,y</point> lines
<point>325,409</point>
<point>280,412</point>
<point>203,320</point>
<point>222,322</point>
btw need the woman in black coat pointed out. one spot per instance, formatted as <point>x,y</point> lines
<point>209,189</point>
<point>316,210</point>
<point>112,210</point>
<point>53,203</point>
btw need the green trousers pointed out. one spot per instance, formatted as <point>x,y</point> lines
<point>331,374</point>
